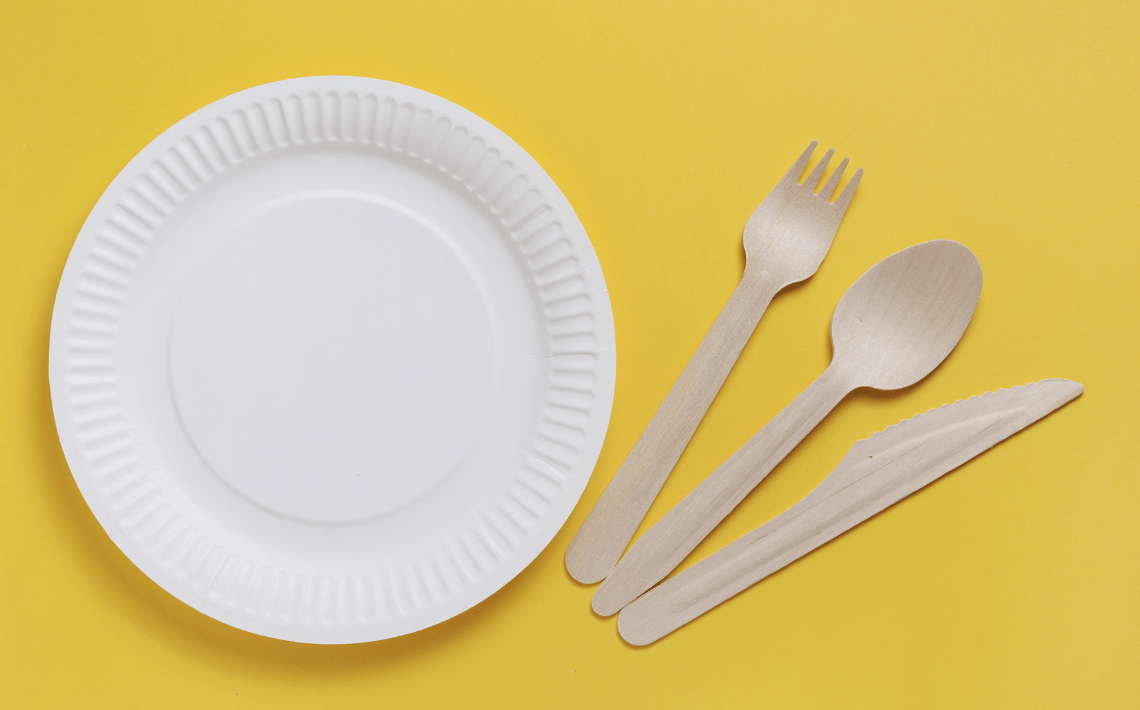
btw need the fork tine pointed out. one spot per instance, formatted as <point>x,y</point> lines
<point>817,173</point>
<point>829,186</point>
<point>797,169</point>
<point>848,192</point>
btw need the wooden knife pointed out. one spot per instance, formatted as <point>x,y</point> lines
<point>877,472</point>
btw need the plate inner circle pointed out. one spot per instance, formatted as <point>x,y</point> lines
<point>333,357</point>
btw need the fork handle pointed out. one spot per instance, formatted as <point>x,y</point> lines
<point>611,524</point>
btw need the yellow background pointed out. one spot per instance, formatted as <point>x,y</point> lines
<point>1011,127</point>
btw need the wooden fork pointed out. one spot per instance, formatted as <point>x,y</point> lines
<point>785,241</point>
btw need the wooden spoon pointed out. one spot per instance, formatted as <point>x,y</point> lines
<point>895,324</point>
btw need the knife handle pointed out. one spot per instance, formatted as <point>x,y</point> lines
<point>857,489</point>
<point>611,524</point>
<point>731,570</point>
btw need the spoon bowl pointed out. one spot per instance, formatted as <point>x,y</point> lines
<point>902,317</point>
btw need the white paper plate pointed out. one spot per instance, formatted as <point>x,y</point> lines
<point>332,359</point>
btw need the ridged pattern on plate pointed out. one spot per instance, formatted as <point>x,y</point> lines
<point>456,558</point>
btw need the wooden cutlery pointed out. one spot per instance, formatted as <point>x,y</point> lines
<point>875,473</point>
<point>895,324</point>
<point>785,241</point>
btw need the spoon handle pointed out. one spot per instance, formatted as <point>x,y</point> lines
<point>671,539</point>
<point>610,526</point>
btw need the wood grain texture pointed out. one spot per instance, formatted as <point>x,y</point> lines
<point>785,241</point>
<point>876,473</point>
<point>895,324</point>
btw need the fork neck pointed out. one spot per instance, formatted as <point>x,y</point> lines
<point>759,280</point>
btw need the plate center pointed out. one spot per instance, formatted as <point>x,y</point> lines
<point>333,358</point>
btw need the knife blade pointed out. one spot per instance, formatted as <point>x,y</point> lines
<point>876,472</point>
